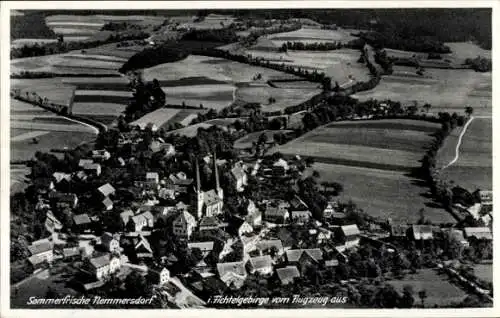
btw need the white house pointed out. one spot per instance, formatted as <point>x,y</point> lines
<point>152,177</point>
<point>261,264</point>
<point>184,225</point>
<point>41,252</point>
<point>103,266</point>
<point>110,242</point>
<point>101,154</point>
<point>239,174</point>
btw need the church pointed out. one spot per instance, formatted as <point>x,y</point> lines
<point>209,203</point>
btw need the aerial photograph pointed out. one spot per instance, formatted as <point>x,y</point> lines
<point>251,158</point>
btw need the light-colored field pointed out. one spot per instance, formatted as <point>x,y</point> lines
<point>464,50</point>
<point>439,290</point>
<point>285,97</point>
<point>213,68</point>
<point>211,96</point>
<point>473,169</point>
<point>96,108</point>
<point>391,145</point>
<point>52,88</point>
<point>91,92</point>
<point>190,131</point>
<point>445,89</point>
<point>211,21</point>
<point>337,64</point>
<point>158,117</point>
<point>307,35</point>
<point>383,193</point>
<point>484,272</point>
<point>19,124</point>
<point>28,135</point>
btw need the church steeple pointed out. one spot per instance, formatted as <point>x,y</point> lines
<point>199,193</point>
<point>220,193</point>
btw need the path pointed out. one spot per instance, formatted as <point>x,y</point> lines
<point>459,142</point>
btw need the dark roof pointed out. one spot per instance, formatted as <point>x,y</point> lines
<point>294,255</point>
<point>287,274</point>
<point>40,248</point>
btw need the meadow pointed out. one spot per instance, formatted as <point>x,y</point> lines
<point>439,291</point>
<point>308,35</point>
<point>380,144</point>
<point>473,169</point>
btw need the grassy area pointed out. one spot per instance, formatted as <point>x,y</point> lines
<point>473,169</point>
<point>387,144</point>
<point>306,35</point>
<point>439,290</point>
<point>484,272</point>
<point>247,140</point>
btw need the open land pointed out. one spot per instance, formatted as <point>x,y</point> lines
<point>307,35</point>
<point>439,291</point>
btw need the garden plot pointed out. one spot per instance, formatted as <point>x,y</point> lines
<point>307,35</point>
<point>285,97</point>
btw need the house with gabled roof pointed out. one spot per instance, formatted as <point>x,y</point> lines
<point>61,176</point>
<point>349,235</point>
<point>287,275</point>
<point>478,233</point>
<point>125,216</point>
<point>330,209</point>
<point>140,221</point>
<point>293,256</point>
<point>399,230</point>
<point>266,247</point>
<point>106,190</point>
<point>107,204</point>
<point>233,274</point>
<point>205,247</point>
<point>276,215</point>
<point>83,162</point>
<point>110,242</point>
<point>142,248</point>
<point>52,224</point>
<point>69,199</point>
<point>239,174</point>
<point>92,169</point>
<point>41,252</point>
<point>260,264</point>
<point>101,154</point>
<point>422,232</point>
<point>104,265</point>
<point>183,225</point>
<point>82,222</point>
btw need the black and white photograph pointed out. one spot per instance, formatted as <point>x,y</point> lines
<point>226,157</point>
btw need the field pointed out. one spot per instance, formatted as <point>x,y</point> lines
<point>211,21</point>
<point>340,65</point>
<point>247,141</point>
<point>380,144</point>
<point>307,35</point>
<point>484,272</point>
<point>439,290</point>
<point>216,96</point>
<point>373,161</point>
<point>464,50</point>
<point>52,131</point>
<point>473,169</point>
<point>158,117</point>
<point>445,89</point>
<point>284,96</point>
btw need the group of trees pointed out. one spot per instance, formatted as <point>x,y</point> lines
<point>225,35</point>
<point>316,46</point>
<point>480,64</point>
<point>146,98</point>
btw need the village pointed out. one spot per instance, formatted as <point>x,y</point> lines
<point>138,213</point>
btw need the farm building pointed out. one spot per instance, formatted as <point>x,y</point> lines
<point>204,247</point>
<point>110,242</point>
<point>184,225</point>
<point>293,256</point>
<point>349,235</point>
<point>233,274</point>
<point>421,232</point>
<point>261,264</point>
<point>103,265</point>
<point>275,214</point>
<point>41,252</point>
<point>82,222</point>
<point>478,233</point>
<point>287,274</point>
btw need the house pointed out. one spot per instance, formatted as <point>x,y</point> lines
<point>293,256</point>
<point>138,222</point>
<point>208,223</point>
<point>323,236</point>
<point>110,242</point>
<point>92,169</point>
<point>297,205</point>
<point>421,232</point>
<point>486,197</point>
<point>307,259</point>
<point>300,217</point>
<point>70,252</point>
<point>106,190</point>
<point>280,167</point>
<point>286,238</point>
<point>478,233</point>
<point>43,185</point>
<point>41,252</point>
<point>82,222</point>
<point>184,225</point>
<point>240,227</point>
<point>104,265</point>
<point>83,162</point>
<point>107,204</point>
<point>142,247</point>
<point>162,276</point>
<point>456,235</point>
<point>61,176</point>
<point>332,263</point>
<point>101,155</point>
<point>179,182</point>
<point>125,216</point>
<point>349,235</point>
<point>260,264</point>
<point>270,247</point>
<point>152,177</point>
<point>52,224</point>
<point>166,193</point>
<point>121,162</point>
<point>330,209</point>
<point>399,230</point>
<point>69,199</point>
<point>233,274</point>
<point>239,174</point>
<point>205,247</point>
<point>81,175</point>
<point>276,215</point>
<point>287,274</point>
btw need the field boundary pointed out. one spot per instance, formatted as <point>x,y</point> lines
<point>459,143</point>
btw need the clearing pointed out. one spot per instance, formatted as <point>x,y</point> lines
<point>439,290</point>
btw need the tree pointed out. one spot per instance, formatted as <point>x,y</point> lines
<point>469,110</point>
<point>422,295</point>
<point>137,285</point>
<point>427,106</point>
<point>407,300</point>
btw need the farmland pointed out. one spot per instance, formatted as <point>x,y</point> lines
<point>307,35</point>
<point>439,291</point>
<point>384,144</point>
<point>248,140</point>
<point>445,89</point>
<point>473,169</point>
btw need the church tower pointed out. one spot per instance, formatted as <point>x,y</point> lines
<point>218,189</point>
<point>199,193</point>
